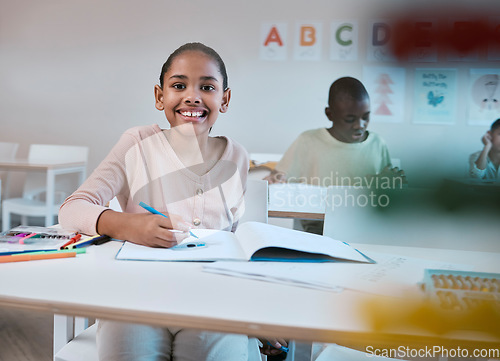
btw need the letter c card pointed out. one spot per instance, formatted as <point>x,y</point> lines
<point>344,40</point>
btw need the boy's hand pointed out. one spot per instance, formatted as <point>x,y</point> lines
<point>150,230</point>
<point>276,177</point>
<point>486,139</point>
<point>482,161</point>
<point>273,350</point>
<point>391,173</point>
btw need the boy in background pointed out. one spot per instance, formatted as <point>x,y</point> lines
<point>344,154</point>
<point>484,164</point>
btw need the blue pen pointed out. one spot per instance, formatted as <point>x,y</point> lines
<point>282,348</point>
<point>154,211</point>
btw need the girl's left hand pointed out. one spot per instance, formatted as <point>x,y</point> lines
<point>152,230</point>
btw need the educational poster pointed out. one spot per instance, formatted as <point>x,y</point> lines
<point>424,49</point>
<point>464,52</point>
<point>273,41</point>
<point>379,37</point>
<point>308,41</point>
<point>494,43</point>
<point>435,96</point>
<point>484,96</point>
<point>386,86</point>
<point>344,41</point>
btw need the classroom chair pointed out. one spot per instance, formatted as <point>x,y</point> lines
<point>261,165</point>
<point>32,202</point>
<point>256,204</point>
<point>74,340</point>
<point>8,151</point>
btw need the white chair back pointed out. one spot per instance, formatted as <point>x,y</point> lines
<point>256,201</point>
<point>32,203</point>
<point>57,153</point>
<point>8,150</point>
<point>35,183</point>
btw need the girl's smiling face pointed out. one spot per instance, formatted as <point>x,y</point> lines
<point>192,92</point>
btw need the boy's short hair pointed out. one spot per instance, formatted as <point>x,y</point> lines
<point>347,85</point>
<point>495,125</point>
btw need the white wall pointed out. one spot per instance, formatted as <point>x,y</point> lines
<point>81,72</point>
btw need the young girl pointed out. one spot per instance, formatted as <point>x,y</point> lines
<point>197,180</point>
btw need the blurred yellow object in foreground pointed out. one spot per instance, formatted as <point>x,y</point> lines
<point>399,315</point>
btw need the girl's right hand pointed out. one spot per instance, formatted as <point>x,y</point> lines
<point>153,230</point>
<point>150,230</point>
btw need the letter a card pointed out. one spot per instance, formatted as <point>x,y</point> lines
<point>273,43</point>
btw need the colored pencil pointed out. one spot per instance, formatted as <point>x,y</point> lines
<point>71,241</point>
<point>34,257</point>
<point>87,242</point>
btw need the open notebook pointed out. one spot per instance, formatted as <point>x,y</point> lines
<point>253,241</point>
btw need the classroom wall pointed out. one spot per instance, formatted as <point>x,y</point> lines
<point>81,72</point>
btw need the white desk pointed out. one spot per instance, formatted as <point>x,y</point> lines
<point>180,294</point>
<point>52,170</point>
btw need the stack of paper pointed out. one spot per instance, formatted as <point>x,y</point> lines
<point>392,275</point>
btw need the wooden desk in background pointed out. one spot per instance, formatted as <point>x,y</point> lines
<point>298,201</point>
<point>52,170</point>
<point>296,215</point>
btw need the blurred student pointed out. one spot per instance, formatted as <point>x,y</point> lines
<point>345,154</point>
<point>484,164</point>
